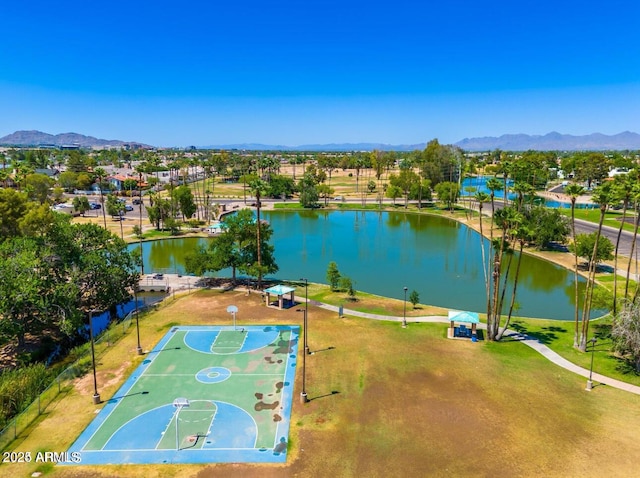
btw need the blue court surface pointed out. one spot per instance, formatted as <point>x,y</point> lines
<point>204,394</point>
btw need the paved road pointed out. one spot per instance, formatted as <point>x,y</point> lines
<point>585,227</point>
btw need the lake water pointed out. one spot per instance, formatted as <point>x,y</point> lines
<point>382,252</point>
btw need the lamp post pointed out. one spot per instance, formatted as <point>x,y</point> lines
<point>590,381</point>
<point>135,298</point>
<point>306,314</point>
<point>303,394</point>
<point>96,395</point>
<point>404,312</point>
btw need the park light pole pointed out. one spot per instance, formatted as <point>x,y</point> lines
<point>590,381</point>
<point>135,299</point>
<point>404,312</point>
<point>306,314</point>
<point>96,395</point>
<point>303,394</point>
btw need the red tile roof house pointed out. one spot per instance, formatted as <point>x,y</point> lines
<point>117,181</point>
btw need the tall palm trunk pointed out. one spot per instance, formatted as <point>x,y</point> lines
<point>633,246</point>
<point>575,271</point>
<point>513,293</point>
<point>484,260</point>
<point>615,257</point>
<point>259,244</point>
<point>104,212</point>
<point>586,310</point>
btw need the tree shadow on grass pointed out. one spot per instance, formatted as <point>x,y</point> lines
<point>545,336</point>
<point>626,367</point>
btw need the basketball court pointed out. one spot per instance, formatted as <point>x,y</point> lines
<point>204,394</point>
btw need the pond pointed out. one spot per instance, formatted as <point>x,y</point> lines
<point>382,252</point>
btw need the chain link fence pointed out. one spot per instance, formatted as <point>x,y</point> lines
<point>64,381</point>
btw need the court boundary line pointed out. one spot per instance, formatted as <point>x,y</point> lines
<point>214,455</point>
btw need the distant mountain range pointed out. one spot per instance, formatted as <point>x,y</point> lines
<point>38,138</point>
<point>553,142</point>
<point>508,142</point>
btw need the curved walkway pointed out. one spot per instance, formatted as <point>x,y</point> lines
<point>525,339</point>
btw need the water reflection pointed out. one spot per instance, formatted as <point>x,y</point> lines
<point>383,252</point>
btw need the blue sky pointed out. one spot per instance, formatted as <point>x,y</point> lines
<point>300,72</point>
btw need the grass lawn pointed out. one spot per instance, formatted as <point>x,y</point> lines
<point>387,401</point>
<point>611,218</point>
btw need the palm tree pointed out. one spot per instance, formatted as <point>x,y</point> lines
<point>523,234</point>
<point>100,175</point>
<point>493,185</point>
<point>258,187</point>
<point>636,204</point>
<point>601,196</point>
<point>508,219</point>
<point>623,191</point>
<point>573,191</point>
<point>522,188</point>
<point>482,198</point>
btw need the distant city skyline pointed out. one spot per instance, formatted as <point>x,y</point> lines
<point>293,73</point>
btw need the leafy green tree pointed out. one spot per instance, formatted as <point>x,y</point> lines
<point>308,190</point>
<point>102,268</point>
<point>414,298</point>
<point>281,187</point>
<point>81,204</point>
<point>38,186</point>
<point>333,275</point>
<point>184,197</point>
<point>76,161</point>
<point>547,226</point>
<point>346,285</point>
<point>325,191</point>
<point>448,193</point>
<point>393,192</point>
<point>38,220</point>
<point>405,180</point>
<point>115,207</point>
<point>173,225</point>
<point>83,182</point>
<point>440,162</point>
<point>585,245</point>
<point>159,210</point>
<point>13,206</point>
<point>22,305</point>
<point>68,180</point>
<point>235,248</point>
<point>130,184</point>
<point>590,167</point>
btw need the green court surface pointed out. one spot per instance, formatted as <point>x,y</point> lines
<point>204,394</point>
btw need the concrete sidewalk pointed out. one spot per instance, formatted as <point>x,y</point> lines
<point>525,339</point>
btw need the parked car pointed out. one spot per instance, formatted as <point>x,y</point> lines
<point>137,201</point>
<point>158,276</point>
<point>128,207</point>
<point>94,205</point>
